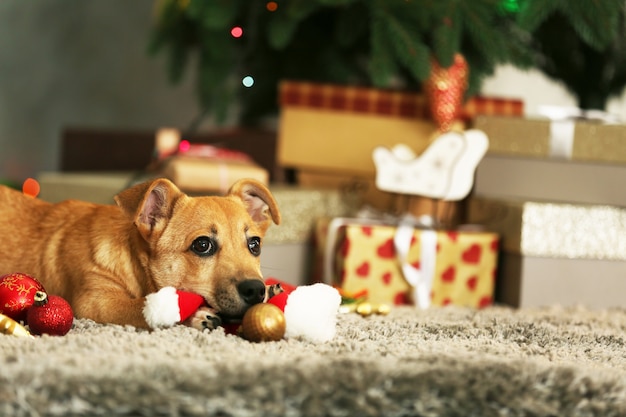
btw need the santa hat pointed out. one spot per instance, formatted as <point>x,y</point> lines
<point>169,306</point>
<point>310,311</point>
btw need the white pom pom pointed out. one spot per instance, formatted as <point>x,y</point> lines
<point>311,313</point>
<point>161,308</point>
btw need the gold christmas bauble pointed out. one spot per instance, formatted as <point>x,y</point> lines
<point>10,326</point>
<point>263,323</point>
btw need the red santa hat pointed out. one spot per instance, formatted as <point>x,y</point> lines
<point>310,311</point>
<point>169,306</point>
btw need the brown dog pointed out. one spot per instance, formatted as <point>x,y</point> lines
<point>105,260</point>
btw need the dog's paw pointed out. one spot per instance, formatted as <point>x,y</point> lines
<point>204,318</point>
<point>272,290</point>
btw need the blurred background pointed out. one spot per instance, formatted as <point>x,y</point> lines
<point>86,63</point>
<point>78,63</point>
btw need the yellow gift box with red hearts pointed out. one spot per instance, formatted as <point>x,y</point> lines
<point>463,265</point>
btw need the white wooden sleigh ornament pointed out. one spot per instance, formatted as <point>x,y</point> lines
<point>444,171</point>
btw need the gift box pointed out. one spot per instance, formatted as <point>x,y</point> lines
<point>95,187</point>
<point>548,179</point>
<point>400,264</point>
<point>335,129</point>
<point>328,132</point>
<point>575,139</point>
<point>445,212</point>
<point>289,248</point>
<point>557,253</point>
<point>207,175</point>
<point>203,168</point>
<point>301,207</point>
<point>330,127</point>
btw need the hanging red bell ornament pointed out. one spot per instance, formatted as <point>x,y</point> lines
<point>445,88</point>
<point>17,292</point>
<point>50,314</point>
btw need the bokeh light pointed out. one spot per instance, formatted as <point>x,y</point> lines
<point>31,187</point>
<point>247,81</point>
<point>271,6</point>
<point>236,32</point>
<point>184,146</point>
<point>510,6</point>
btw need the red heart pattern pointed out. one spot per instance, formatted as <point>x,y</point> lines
<point>449,274</point>
<point>387,276</point>
<point>386,250</point>
<point>465,266</point>
<point>363,270</point>
<point>472,255</point>
<point>472,282</point>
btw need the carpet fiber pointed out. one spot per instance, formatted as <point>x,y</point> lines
<point>440,362</point>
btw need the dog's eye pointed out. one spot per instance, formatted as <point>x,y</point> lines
<point>254,245</point>
<point>204,246</point>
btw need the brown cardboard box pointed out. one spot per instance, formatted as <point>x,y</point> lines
<point>532,137</point>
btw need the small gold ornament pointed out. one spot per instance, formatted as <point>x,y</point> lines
<point>383,309</point>
<point>263,323</point>
<point>365,309</point>
<point>11,327</point>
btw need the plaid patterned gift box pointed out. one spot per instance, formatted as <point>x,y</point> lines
<point>334,128</point>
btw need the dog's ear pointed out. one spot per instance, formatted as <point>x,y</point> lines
<point>149,204</point>
<point>258,201</point>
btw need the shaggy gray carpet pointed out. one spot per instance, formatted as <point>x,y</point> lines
<point>440,362</point>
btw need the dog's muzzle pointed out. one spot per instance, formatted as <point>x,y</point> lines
<point>252,291</point>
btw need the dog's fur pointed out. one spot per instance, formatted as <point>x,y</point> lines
<point>105,259</point>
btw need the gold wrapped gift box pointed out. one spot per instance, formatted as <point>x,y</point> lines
<point>533,137</point>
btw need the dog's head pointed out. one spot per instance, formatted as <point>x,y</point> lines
<point>208,245</point>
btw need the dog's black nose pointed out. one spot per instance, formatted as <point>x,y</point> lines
<point>252,291</point>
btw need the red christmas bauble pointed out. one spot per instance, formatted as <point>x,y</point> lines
<point>17,292</point>
<point>50,314</point>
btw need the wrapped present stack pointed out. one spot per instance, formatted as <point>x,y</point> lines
<point>327,132</point>
<point>359,139</point>
<point>553,188</point>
